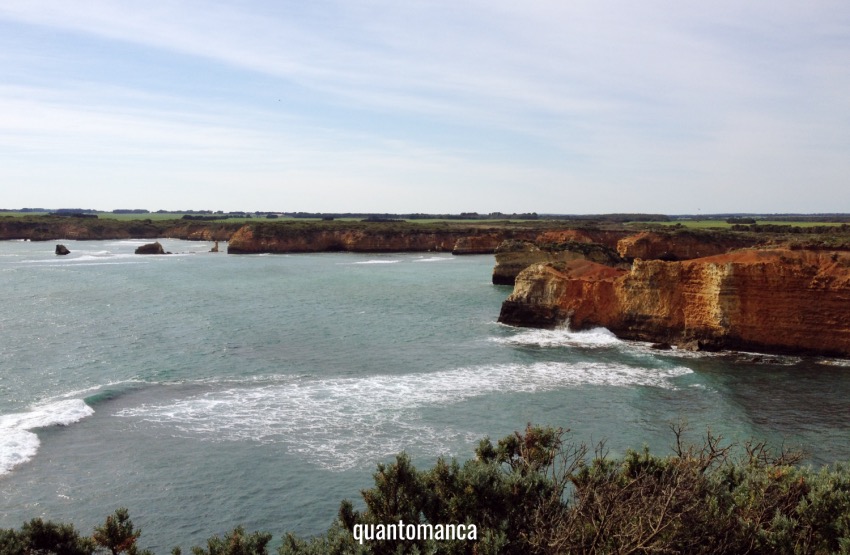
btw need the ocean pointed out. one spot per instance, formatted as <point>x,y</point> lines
<point>204,390</point>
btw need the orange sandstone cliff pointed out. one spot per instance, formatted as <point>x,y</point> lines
<point>680,245</point>
<point>613,247</point>
<point>513,256</point>
<point>784,301</point>
<point>365,237</point>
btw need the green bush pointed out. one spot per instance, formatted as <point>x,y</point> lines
<point>535,492</point>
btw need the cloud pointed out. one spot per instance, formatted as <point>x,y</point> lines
<point>616,103</point>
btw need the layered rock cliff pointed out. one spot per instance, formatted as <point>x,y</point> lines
<point>606,237</point>
<point>779,300</point>
<point>514,256</point>
<point>681,245</point>
<point>614,247</point>
<point>367,237</point>
<point>49,228</point>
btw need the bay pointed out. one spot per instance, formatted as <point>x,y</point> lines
<point>204,390</point>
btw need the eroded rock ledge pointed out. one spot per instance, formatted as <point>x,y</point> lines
<point>771,300</point>
<point>617,247</point>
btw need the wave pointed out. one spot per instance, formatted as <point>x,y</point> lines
<point>601,337</point>
<point>115,390</point>
<point>378,262</point>
<point>341,423</point>
<point>433,259</point>
<point>731,356</point>
<point>561,337</point>
<point>88,258</point>
<point>18,444</point>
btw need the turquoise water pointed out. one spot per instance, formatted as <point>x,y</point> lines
<point>205,390</point>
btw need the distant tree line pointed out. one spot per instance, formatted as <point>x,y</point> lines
<point>72,213</point>
<point>537,492</point>
<point>203,218</point>
<point>842,229</point>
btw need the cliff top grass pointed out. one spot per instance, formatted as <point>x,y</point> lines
<point>723,224</point>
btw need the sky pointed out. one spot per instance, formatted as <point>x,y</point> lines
<point>567,107</point>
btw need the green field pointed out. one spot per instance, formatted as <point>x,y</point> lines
<point>722,224</point>
<point>690,224</point>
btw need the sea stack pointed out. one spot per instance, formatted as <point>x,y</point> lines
<point>151,248</point>
<point>62,250</point>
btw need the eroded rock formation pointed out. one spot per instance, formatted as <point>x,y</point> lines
<point>478,244</point>
<point>680,245</point>
<point>150,248</point>
<point>780,300</point>
<point>514,256</point>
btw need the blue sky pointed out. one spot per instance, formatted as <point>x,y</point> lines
<point>426,106</point>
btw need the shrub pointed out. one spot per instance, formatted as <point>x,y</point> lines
<point>537,492</point>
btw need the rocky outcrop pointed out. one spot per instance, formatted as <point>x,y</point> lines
<point>512,257</point>
<point>779,300</point>
<point>607,237</point>
<point>62,250</point>
<point>613,247</point>
<point>151,248</point>
<point>680,245</point>
<point>478,244</point>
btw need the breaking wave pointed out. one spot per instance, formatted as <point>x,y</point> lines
<point>561,337</point>
<point>18,444</point>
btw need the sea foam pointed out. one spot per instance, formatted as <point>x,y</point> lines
<point>18,444</point>
<point>561,337</point>
<point>341,423</point>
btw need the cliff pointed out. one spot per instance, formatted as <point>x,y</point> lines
<point>368,237</point>
<point>514,256</point>
<point>480,244</point>
<point>682,244</point>
<point>606,237</point>
<point>615,247</point>
<point>46,228</point>
<point>779,300</point>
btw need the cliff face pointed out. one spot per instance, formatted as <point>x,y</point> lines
<point>372,237</point>
<point>259,239</point>
<point>512,257</point>
<point>548,295</point>
<point>612,247</point>
<point>607,237</point>
<point>478,244</point>
<point>683,245</point>
<point>45,229</point>
<point>772,301</point>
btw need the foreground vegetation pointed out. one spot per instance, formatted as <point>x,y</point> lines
<point>538,492</point>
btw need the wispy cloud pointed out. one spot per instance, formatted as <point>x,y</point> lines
<point>656,106</point>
